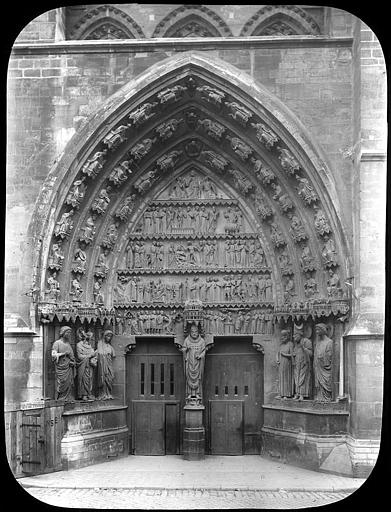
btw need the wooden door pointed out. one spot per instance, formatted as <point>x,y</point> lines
<point>234,376</point>
<point>226,427</point>
<point>155,395</point>
<point>33,443</point>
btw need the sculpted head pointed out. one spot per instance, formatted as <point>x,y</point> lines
<point>65,333</point>
<point>321,329</point>
<point>194,331</point>
<point>108,336</point>
<point>285,334</point>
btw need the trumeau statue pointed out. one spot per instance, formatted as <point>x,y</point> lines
<point>284,361</point>
<point>194,349</point>
<point>302,357</point>
<point>64,362</point>
<point>106,354</point>
<point>86,362</point>
<point>323,356</point>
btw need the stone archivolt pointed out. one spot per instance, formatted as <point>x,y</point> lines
<point>229,160</point>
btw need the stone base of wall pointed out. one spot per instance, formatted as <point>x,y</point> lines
<point>363,454</point>
<point>93,433</point>
<point>306,434</point>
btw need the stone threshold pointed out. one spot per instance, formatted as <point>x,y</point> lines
<point>178,44</point>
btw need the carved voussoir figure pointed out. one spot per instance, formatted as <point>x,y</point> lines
<point>76,194</point>
<point>106,354</point>
<point>64,362</point>
<point>212,128</point>
<point>263,173</point>
<point>166,130</point>
<point>79,260</point>
<point>171,94</point>
<point>306,191</point>
<point>211,95</point>
<point>142,114</point>
<point>322,226</point>
<point>101,203</point>
<point>215,160</point>
<point>126,208</point>
<point>115,137</point>
<point>120,173</point>
<point>288,161</point>
<point>142,148</point>
<point>284,362</point>
<point>52,293</point>
<point>242,149</point>
<point>56,257</point>
<point>88,230</point>
<point>323,357</point>
<point>239,112</point>
<point>265,135</point>
<point>64,226</point>
<point>94,164</point>
<point>168,161</point>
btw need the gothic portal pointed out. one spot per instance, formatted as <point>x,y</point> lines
<point>194,218</point>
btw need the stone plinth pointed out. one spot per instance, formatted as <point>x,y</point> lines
<point>303,433</point>
<point>194,433</point>
<point>93,432</point>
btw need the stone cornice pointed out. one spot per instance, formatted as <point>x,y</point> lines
<point>178,44</point>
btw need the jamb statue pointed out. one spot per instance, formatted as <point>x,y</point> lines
<point>284,361</point>
<point>86,362</point>
<point>323,355</point>
<point>64,361</point>
<point>106,355</point>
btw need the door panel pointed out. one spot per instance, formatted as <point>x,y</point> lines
<point>226,427</point>
<point>155,396</point>
<point>148,428</point>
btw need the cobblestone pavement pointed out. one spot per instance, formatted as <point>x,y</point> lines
<point>183,499</point>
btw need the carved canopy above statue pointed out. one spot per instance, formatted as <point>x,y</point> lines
<point>193,184</point>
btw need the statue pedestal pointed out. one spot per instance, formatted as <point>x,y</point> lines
<point>194,433</point>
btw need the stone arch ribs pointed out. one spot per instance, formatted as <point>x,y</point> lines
<point>280,20</point>
<point>203,19</point>
<point>261,141</point>
<point>106,22</point>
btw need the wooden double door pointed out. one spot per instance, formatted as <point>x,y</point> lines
<point>155,397</point>
<point>233,380</point>
<point>233,392</point>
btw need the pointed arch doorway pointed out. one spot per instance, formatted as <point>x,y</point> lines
<point>193,192</point>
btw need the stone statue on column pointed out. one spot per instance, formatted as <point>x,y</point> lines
<point>64,362</point>
<point>194,349</point>
<point>323,355</point>
<point>302,353</point>
<point>86,362</point>
<point>106,355</point>
<point>284,362</point>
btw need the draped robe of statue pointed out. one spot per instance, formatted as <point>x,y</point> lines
<point>86,361</point>
<point>194,360</point>
<point>302,352</point>
<point>285,375</point>
<point>65,370</point>
<point>323,354</point>
<point>106,355</point>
